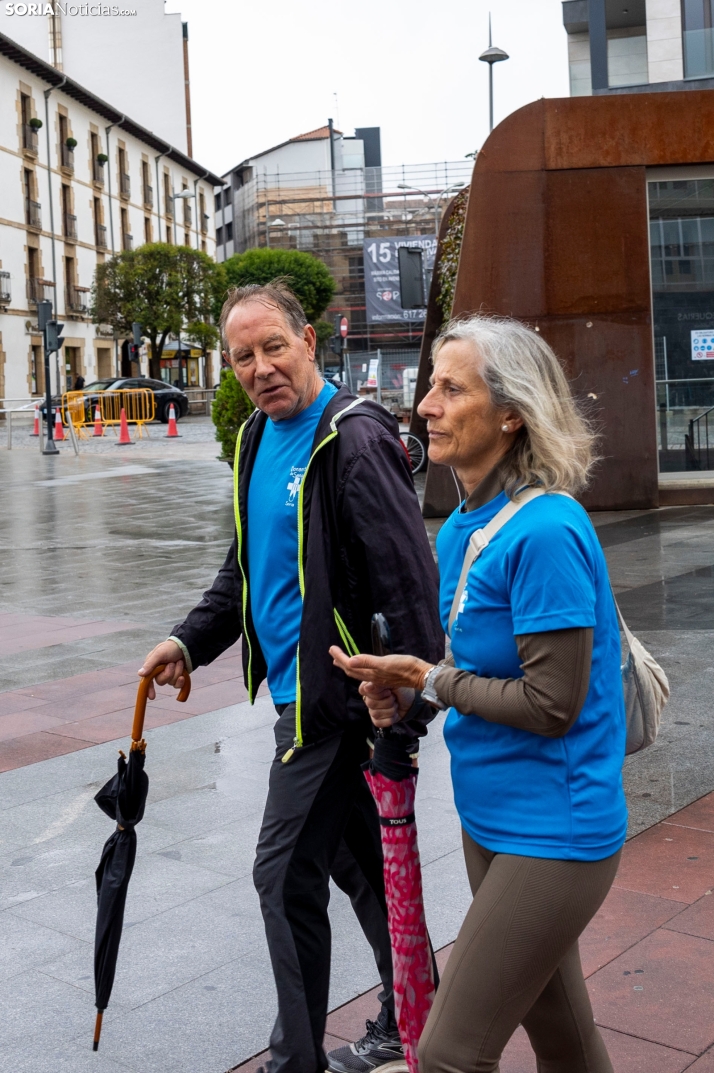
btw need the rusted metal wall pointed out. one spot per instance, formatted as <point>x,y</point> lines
<point>557,235</point>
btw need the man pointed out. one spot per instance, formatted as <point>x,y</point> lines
<point>328,532</point>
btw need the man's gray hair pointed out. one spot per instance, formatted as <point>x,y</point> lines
<point>555,448</point>
<point>277,293</point>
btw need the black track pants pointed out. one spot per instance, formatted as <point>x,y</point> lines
<point>319,820</point>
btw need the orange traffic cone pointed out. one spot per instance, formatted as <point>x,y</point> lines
<point>172,430</point>
<point>59,430</point>
<point>124,437</point>
<point>36,427</point>
<point>98,426</point>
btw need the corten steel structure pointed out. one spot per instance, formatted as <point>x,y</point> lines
<point>556,235</point>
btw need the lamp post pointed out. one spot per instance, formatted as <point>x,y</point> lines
<point>490,56</point>
<point>183,195</point>
<point>435,201</point>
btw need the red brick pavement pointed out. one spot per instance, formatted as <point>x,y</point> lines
<point>648,956</point>
<point>68,714</point>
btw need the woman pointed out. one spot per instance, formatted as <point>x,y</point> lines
<point>536,723</point>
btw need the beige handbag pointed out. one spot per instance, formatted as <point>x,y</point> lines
<point>644,683</point>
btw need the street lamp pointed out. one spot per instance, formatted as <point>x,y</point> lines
<point>490,56</point>
<point>183,195</point>
<point>435,201</point>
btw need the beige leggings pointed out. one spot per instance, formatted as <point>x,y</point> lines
<point>516,961</point>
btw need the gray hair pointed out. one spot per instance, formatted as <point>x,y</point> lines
<point>555,448</point>
<point>277,293</point>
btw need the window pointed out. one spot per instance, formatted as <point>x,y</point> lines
<point>37,371</point>
<point>187,238</point>
<point>218,201</point>
<point>66,151</point>
<point>698,35</point>
<point>228,232</point>
<point>147,188</point>
<point>168,234</point>
<point>97,169</point>
<point>29,135</point>
<point>100,231</point>
<point>147,229</point>
<point>127,241</point>
<point>168,203</point>
<point>219,236</point>
<point>124,182</point>
<point>69,220</point>
<point>32,208</point>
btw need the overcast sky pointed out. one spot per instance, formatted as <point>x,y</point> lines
<point>263,72</point>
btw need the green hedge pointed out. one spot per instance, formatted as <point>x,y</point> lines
<point>231,407</point>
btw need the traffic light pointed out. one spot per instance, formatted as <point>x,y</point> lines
<point>54,340</point>
<point>135,345</point>
<point>336,344</point>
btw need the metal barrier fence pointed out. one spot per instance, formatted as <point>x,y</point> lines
<point>139,405</point>
<point>389,375</point>
<point>200,399</point>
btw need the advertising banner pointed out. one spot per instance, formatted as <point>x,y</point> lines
<point>381,278</point>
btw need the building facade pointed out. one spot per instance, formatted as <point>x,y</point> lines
<point>85,41</point>
<point>329,194</point>
<point>85,183</point>
<point>617,46</point>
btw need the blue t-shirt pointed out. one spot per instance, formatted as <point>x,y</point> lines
<point>516,791</point>
<point>274,587</point>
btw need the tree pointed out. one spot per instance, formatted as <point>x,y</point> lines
<point>160,286</point>
<point>231,407</point>
<point>308,276</point>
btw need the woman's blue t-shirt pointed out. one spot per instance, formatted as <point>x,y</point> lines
<point>516,791</point>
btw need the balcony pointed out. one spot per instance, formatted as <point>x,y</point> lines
<point>169,209</point>
<point>5,289</point>
<point>148,195</point>
<point>29,139</point>
<point>38,290</point>
<point>204,223</point>
<point>70,226</point>
<point>127,241</point>
<point>186,214</point>
<point>67,158</point>
<point>77,298</point>
<point>100,236</point>
<point>33,213</point>
<point>124,184</point>
<point>98,172</point>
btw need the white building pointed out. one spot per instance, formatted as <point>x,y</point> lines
<point>58,222</point>
<point>625,46</point>
<point>131,53</point>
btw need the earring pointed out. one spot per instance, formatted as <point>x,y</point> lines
<point>504,428</point>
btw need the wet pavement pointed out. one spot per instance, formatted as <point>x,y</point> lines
<point>103,554</point>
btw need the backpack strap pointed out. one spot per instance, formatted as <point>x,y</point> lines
<point>481,538</point>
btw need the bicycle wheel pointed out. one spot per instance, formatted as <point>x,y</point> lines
<point>416,451</point>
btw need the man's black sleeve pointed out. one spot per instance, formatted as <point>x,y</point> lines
<point>216,623</point>
<point>387,544</point>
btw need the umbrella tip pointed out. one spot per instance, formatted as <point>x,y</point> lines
<point>95,1045</point>
<point>97,1030</point>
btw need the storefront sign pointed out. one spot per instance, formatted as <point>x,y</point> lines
<point>381,278</point>
<point>702,344</point>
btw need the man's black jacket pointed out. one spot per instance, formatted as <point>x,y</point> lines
<point>363,549</point>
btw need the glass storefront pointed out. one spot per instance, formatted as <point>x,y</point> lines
<point>682,259</point>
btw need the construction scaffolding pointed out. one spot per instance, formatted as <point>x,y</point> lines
<point>332,213</point>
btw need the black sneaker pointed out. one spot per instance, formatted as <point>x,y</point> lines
<point>380,1048</point>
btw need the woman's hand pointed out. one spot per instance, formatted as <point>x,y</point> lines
<point>394,672</point>
<point>388,682</point>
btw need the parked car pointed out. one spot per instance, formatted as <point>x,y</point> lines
<point>164,395</point>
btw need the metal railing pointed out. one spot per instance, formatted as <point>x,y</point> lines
<point>186,214</point>
<point>37,289</point>
<point>33,213</point>
<point>169,208</point>
<point>98,172</point>
<point>148,194</point>
<point>67,157</point>
<point>5,289</point>
<point>100,236</point>
<point>204,223</point>
<point>127,241</point>
<point>124,184</point>
<point>200,399</point>
<point>70,225</point>
<point>77,298</point>
<point>29,138</point>
<point>697,451</point>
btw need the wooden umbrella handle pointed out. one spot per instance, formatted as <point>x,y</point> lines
<point>142,696</point>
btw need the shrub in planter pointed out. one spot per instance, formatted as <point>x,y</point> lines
<point>71,143</point>
<point>231,407</point>
<point>102,158</point>
<point>35,123</point>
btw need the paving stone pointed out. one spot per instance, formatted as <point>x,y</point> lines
<point>697,919</point>
<point>623,920</point>
<point>660,990</point>
<point>671,862</point>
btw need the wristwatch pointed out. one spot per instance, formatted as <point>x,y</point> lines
<point>428,691</point>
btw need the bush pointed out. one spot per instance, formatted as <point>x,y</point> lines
<point>231,407</point>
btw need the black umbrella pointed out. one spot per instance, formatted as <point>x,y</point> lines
<point>123,799</point>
